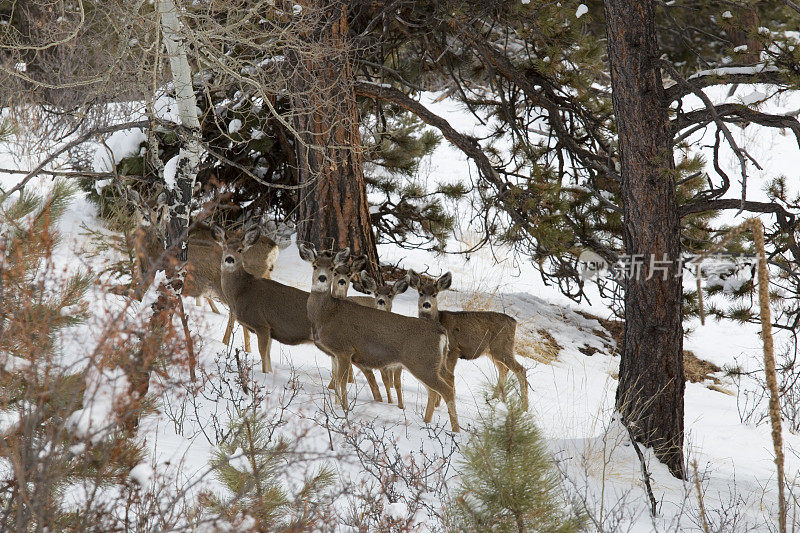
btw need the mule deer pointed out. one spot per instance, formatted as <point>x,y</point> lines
<point>373,338</point>
<point>202,264</point>
<point>264,306</point>
<point>472,333</point>
<point>342,276</point>
<point>383,299</point>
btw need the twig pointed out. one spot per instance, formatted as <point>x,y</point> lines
<point>645,473</point>
<point>72,144</point>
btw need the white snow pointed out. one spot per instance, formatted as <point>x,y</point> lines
<point>143,474</point>
<point>12,363</point>
<point>753,98</point>
<point>240,461</point>
<point>727,15</point>
<point>123,143</point>
<point>170,171</point>
<point>740,48</point>
<point>728,71</point>
<point>581,11</point>
<point>234,125</point>
<point>105,388</point>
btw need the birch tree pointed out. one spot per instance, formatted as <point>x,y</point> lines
<point>181,171</point>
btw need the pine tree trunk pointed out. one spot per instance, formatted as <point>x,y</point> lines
<point>333,207</point>
<point>651,379</point>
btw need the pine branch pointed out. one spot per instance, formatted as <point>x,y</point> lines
<point>719,77</point>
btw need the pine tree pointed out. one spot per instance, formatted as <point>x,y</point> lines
<point>253,466</point>
<point>507,479</point>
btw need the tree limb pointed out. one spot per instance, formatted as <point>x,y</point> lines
<point>70,145</point>
<point>744,113</point>
<point>711,78</point>
<point>467,144</point>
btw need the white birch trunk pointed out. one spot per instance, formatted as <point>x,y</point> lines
<point>180,178</point>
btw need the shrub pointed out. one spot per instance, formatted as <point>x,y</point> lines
<point>507,479</point>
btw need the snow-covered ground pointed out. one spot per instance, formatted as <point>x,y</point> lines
<point>571,397</point>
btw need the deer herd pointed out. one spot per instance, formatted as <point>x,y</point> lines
<point>355,331</point>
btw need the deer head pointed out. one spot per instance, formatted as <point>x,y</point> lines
<point>428,304</point>
<point>323,264</point>
<point>384,295</point>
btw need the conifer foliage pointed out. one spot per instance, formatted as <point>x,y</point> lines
<point>508,482</point>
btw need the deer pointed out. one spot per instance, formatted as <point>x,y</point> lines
<point>383,296</point>
<point>202,264</point>
<point>472,333</point>
<point>373,338</point>
<point>264,306</point>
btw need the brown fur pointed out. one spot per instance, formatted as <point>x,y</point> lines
<point>473,333</point>
<point>376,339</point>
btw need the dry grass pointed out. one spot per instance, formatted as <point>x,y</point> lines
<point>696,370</point>
<point>543,349</point>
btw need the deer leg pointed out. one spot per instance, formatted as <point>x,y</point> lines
<point>198,301</point>
<point>398,388</point>
<point>446,390</point>
<point>247,339</point>
<point>386,377</point>
<point>213,306</point>
<point>264,347</point>
<point>350,377</point>
<point>433,397</point>
<point>519,371</point>
<point>500,389</point>
<point>342,366</point>
<point>449,369</point>
<point>373,385</point>
<point>228,330</point>
<point>334,363</point>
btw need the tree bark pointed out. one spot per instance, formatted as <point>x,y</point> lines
<point>333,206</point>
<point>180,189</point>
<point>651,380</point>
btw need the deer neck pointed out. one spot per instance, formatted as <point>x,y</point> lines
<point>235,281</point>
<point>430,314</point>
<point>321,305</point>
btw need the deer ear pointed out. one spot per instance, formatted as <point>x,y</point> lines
<point>368,282</point>
<point>251,237</point>
<point>219,234</point>
<point>444,281</point>
<point>359,263</point>
<point>307,252</point>
<point>342,257</point>
<point>413,279</point>
<point>400,286</point>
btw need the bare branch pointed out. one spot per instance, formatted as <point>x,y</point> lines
<point>715,77</point>
<point>740,155</point>
<point>72,144</point>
